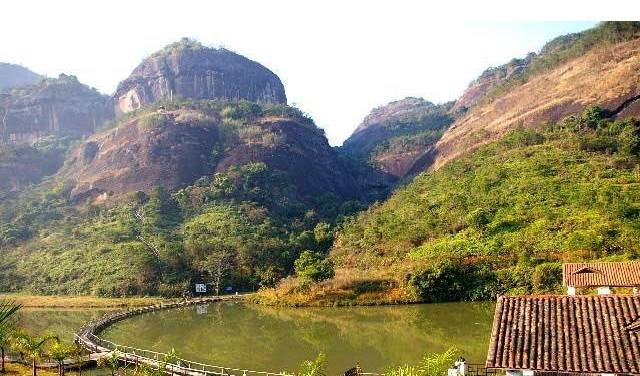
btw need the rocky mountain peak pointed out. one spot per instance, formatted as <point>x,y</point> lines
<point>188,69</point>
<point>60,106</point>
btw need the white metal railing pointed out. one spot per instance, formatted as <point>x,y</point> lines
<point>162,361</point>
<point>175,365</point>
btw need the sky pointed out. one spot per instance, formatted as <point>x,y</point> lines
<point>337,59</point>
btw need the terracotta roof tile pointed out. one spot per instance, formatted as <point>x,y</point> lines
<point>614,274</point>
<point>576,334</point>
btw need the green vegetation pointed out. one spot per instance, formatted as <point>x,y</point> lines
<point>502,219</point>
<point>561,50</point>
<point>430,365</point>
<point>7,311</point>
<point>242,228</point>
<point>412,124</point>
<point>317,367</point>
<point>30,347</point>
<point>179,46</point>
<point>313,266</point>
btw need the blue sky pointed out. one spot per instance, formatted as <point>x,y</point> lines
<point>337,60</point>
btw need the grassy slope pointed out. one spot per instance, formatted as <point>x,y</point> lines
<point>484,224</point>
<point>39,301</point>
<point>598,67</point>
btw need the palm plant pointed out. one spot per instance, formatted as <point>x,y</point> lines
<point>7,310</point>
<point>317,367</point>
<point>430,365</point>
<point>31,347</point>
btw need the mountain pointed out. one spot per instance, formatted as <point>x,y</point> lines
<point>52,107</point>
<point>22,165</point>
<point>12,75</point>
<point>538,167</point>
<point>499,220</point>
<point>489,80</point>
<point>176,143</point>
<point>571,72</point>
<point>594,67</point>
<point>391,136</point>
<point>173,191</point>
<point>187,69</point>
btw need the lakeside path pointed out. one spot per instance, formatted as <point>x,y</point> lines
<point>79,301</point>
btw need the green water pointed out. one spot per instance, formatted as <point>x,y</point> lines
<point>61,322</point>
<point>274,339</point>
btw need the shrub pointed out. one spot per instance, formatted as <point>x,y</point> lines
<point>547,277</point>
<point>592,116</point>
<point>440,283</point>
<point>313,266</point>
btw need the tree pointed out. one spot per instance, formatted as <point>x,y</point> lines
<point>161,212</point>
<point>31,347</point>
<point>216,264</point>
<point>592,116</point>
<point>77,352</point>
<point>547,277</point>
<point>313,266</point>
<point>7,310</point>
<point>60,351</point>
<point>110,361</point>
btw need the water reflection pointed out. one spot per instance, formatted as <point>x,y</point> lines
<point>267,338</point>
<point>61,322</point>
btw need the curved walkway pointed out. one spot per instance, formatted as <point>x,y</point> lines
<point>88,338</point>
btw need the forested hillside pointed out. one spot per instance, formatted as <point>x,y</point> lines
<point>240,219</point>
<point>500,220</point>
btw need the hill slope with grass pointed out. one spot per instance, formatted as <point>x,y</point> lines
<point>500,220</point>
<point>218,190</point>
<point>594,67</point>
<point>391,136</point>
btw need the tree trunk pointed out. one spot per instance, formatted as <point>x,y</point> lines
<point>33,364</point>
<point>2,352</point>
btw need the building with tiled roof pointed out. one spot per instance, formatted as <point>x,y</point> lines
<point>601,275</point>
<point>589,334</point>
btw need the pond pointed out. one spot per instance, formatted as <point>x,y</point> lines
<point>59,321</point>
<point>261,338</point>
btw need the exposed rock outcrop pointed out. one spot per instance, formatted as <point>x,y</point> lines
<point>173,148</point>
<point>22,165</point>
<point>53,106</point>
<point>12,75</point>
<point>187,69</point>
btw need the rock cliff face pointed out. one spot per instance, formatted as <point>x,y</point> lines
<point>188,69</point>
<point>12,75</point>
<point>22,165</point>
<point>391,136</point>
<point>61,107</point>
<point>173,148</point>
